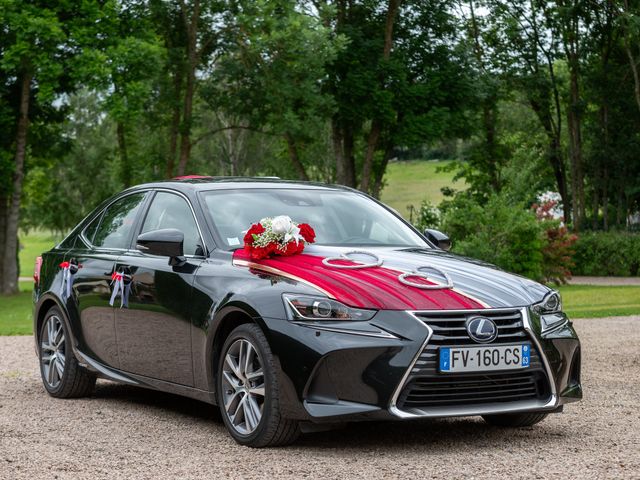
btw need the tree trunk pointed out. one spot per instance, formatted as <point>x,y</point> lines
<point>367,167</point>
<point>338,152</point>
<point>125,168</point>
<point>10,263</point>
<point>295,158</point>
<point>549,114</point>
<point>342,139</point>
<point>192,63</point>
<point>489,121</point>
<point>554,152</point>
<point>4,211</point>
<point>175,124</point>
<point>595,208</point>
<point>632,61</point>
<point>605,199</point>
<point>376,124</point>
<point>571,31</point>
<point>234,146</point>
<point>634,71</point>
<point>557,164</point>
<point>575,150</point>
<point>349,157</point>
<point>602,180</point>
<point>185,134</point>
<point>379,175</point>
<point>619,204</point>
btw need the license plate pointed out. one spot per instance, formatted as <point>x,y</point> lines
<point>484,359</point>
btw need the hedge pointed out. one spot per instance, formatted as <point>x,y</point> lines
<point>607,254</point>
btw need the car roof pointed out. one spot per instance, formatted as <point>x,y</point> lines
<point>203,183</point>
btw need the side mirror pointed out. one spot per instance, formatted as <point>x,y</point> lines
<point>167,242</point>
<point>438,238</point>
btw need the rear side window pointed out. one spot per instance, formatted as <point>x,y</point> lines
<point>114,230</point>
<point>90,230</point>
<point>171,211</point>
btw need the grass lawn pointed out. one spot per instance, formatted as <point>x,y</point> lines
<point>411,182</point>
<point>15,312</point>
<point>590,301</point>
<point>31,246</point>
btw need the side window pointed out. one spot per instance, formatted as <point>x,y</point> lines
<point>117,221</point>
<point>171,211</point>
<point>90,230</point>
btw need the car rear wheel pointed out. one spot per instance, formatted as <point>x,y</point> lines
<point>514,420</point>
<point>62,376</point>
<point>248,391</point>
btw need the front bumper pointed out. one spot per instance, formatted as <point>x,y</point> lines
<point>346,371</point>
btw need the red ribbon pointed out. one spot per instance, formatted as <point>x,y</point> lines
<point>117,276</point>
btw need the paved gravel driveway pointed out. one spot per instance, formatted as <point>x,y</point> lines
<point>124,432</point>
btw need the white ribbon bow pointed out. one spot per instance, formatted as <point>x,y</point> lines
<point>120,288</point>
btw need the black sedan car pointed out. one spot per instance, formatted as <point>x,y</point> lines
<point>374,320</point>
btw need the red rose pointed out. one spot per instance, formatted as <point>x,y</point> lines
<point>256,229</point>
<point>291,249</point>
<point>307,232</point>
<point>258,253</point>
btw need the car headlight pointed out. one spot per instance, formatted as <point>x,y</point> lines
<point>550,312</point>
<point>304,307</point>
<point>552,303</point>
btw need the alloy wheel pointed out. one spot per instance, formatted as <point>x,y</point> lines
<point>52,351</point>
<point>243,389</point>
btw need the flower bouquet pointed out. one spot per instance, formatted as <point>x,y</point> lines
<point>277,236</point>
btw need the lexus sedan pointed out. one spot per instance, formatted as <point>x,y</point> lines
<point>373,321</point>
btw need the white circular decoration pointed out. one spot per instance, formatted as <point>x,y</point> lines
<point>345,256</point>
<point>403,278</point>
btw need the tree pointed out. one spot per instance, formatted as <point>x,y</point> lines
<point>527,49</point>
<point>123,65</point>
<point>390,81</point>
<point>271,76</point>
<point>571,18</point>
<point>35,49</point>
<point>192,32</point>
<point>57,193</point>
<point>629,22</point>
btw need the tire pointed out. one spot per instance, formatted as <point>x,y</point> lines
<point>248,393</point>
<point>61,374</point>
<point>514,420</point>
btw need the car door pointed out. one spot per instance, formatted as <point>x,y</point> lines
<point>153,325</point>
<point>95,253</point>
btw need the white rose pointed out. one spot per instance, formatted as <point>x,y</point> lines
<point>281,225</point>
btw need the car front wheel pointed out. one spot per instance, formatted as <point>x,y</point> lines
<point>248,391</point>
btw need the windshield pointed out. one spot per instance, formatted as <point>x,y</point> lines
<point>338,217</point>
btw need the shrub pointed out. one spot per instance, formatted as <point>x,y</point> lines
<point>607,254</point>
<point>500,233</point>
<point>558,248</point>
<point>427,216</point>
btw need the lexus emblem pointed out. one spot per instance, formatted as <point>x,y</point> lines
<point>482,329</point>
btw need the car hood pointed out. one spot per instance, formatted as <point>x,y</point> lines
<point>448,281</point>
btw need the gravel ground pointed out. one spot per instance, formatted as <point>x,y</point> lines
<point>124,432</point>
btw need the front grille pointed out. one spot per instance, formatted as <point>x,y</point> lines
<point>427,388</point>
<point>473,389</point>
